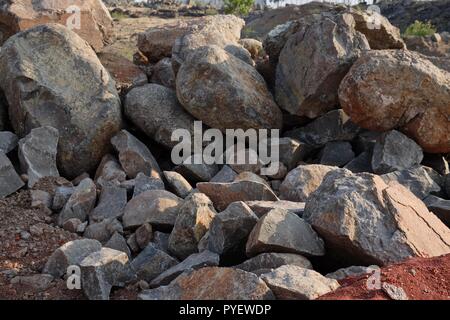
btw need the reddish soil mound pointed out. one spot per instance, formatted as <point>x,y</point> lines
<point>421,279</point>
<point>28,237</point>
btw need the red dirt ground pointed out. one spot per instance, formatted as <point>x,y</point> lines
<point>421,279</point>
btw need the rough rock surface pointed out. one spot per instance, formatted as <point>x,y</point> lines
<point>191,224</point>
<point>236,95</point>
<point>95,24</point>
<point>178,183</point>
<point>283,231</point>
<point>420,111</point>
<point>155,110</point>
<point>193,262</point>
<point>80,203</point>
<point>37,154</point>
<point>260,208</point>
<point>302,181</point>
<point>83,106</point>
<point>102,270</point>
<point>71,253</point>
<point>10,181</point>
<point>151,262</point>
<point>157,207</point>
<point>8,141</point>
<point>222,194</point>
<point>395,151</point>
<point>310,70</point>
<point>134,156</point>
<point>362,218</point>
<point>296,283</point>
<point>163,73</point>
<point>272,260</point>
<point>212,283</point>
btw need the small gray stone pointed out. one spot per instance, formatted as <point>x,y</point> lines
<point>134,156</point>
<point>10,181</point>
<point>72,225</point>
<point>37,154</point>
<point>296,283</point>
<point>62,195</point>
<point>163,73</point>
<point>161,241</point>
<point>118,242</point>
<point>192,262</point>
<point>8,141</point>
<point>395,151</point>
<point>193,221</point>
<point>132,243</point>
<point>151,262</point>
<point>362,163</point>
<point>337,153</point>
<point>102,270</point>
<point>110,170</point>
<point>178,183</point>
<point>197,172</point>
<point>283,231</point>
<point>292,151</point>
<point>394,292</point>
<point>80,203</point>
<point>144,183</point>
<point>111,204</point>
<point>70,253</point>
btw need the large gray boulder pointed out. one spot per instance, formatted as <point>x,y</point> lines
<point>73,94</point>
<point>363,220</point>
<point>313,62</point>
<point>37,154</point>
<point>225,92</point>
<point>155,110</point>
<point>420,111</point>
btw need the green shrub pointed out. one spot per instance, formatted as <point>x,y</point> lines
<point>419,28</point>
<point>242,7</point>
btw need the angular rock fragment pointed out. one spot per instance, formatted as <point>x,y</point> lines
<point>363,220</point>
<point>296,283</point>
<point>8,141</point>
<point>80,203</point>
<point>70,253</point>
<point>10,181</point>
<point>157,207</point>
<point>144,235</point>
<point>163,73</point>
<point>226,174</point>
<point>352,271</point>
<point>144,183</point>
<point>222,194</point>
<point>118,242</point>
<point>282,231</point>
<point>395,151</point>
<point>440,207</point>
<point>37,154</point>
<point>197,172</point>
<point>178,183</point>
<point>212,283</point>
<point>264,262</point>
<point>260,208</point>
<point>337,153</point>
<point>151,262</point>
<point>110,170</point>
<point>111,204</point>
<point>193,262</point>
<point>134,156</point>
<point>192,222</point>
<point>102,270</point>
<point>102,231</point>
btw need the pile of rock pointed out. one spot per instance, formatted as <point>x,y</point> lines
<point>344,193</point>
